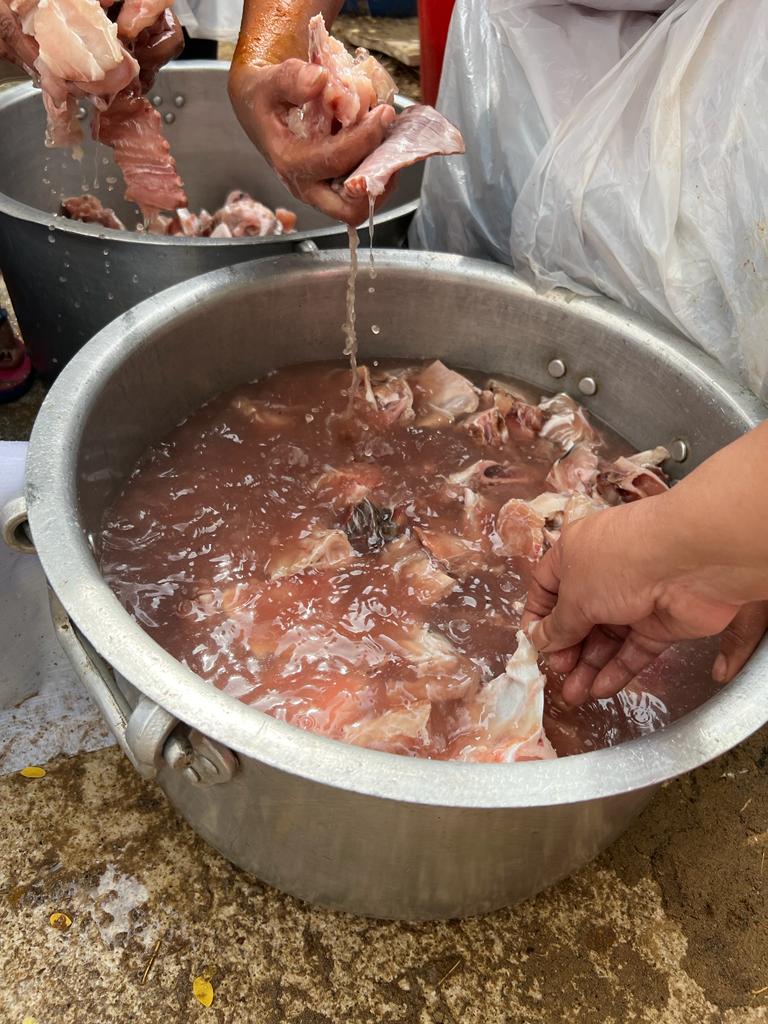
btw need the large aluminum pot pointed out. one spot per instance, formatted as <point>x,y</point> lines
<point>354,829</point>
<point>67,280</point>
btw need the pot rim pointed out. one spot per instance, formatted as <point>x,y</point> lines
<point>23,211</point>
<point>62,546</point>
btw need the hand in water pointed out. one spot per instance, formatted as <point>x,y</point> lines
<point>623,585</point>
<point>262,97</point>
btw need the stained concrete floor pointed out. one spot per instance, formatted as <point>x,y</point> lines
<point>668,926</point>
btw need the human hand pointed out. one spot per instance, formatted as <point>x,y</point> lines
<point>620,587</point>
<point>262,98</point>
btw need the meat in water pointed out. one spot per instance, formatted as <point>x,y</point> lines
<point>361,573</point>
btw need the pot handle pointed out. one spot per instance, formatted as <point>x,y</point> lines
<point>307,246</point>
<point>148,735</point>
<point>14,527</point>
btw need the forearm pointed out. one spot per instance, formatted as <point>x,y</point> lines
<point>713,525</point>
<point>275,30</point>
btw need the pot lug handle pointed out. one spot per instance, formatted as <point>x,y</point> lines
<point>307,246</point>
<point>14,526</point>
<point>149,736</point>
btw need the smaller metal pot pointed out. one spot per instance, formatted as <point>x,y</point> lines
<point>68,280</point>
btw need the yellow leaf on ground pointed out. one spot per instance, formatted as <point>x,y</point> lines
<point>32,772</point>
<point>202,990</point>
<point>60,920</point>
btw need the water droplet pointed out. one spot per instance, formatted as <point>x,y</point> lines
<point>66,264</point>
<point>110,296</point>
<point>105,160</point>
<point>76,304</point>
<point>51,227</point>
<point>375,329</point>
<point>110,180</point>
<point>375,362</point>
<point>135,279</point>
<point>105,252</point>
<point>371,290</point>
<point>62,280</point>
<point>309,417</point>
<point>51,239</point>
<point>107,264</point>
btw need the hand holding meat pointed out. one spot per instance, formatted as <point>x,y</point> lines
<point>263,98</point>
<point>619,588</point>
<point>328,126</point>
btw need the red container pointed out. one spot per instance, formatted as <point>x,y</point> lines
<point>434,18</point>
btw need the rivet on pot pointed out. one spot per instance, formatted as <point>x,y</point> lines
<point>157,101</point>
<point>168,117</point>
<point>678,450</point>
<point>179,100</point>
<point>588,386</point>
<point>556,368</point>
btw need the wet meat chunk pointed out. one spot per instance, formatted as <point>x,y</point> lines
<point>418,133</point>
<point>89,210</point>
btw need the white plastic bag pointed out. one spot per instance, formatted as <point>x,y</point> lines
<point>650,184</point>
<point>210,19</point>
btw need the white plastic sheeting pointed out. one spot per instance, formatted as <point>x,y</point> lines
<point>613,150</point>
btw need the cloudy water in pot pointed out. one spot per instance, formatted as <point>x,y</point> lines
<point>362,576</point>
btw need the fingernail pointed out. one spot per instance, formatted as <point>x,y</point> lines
<point>388,115</point>
<point>720,668</point>
<point>310,75</point>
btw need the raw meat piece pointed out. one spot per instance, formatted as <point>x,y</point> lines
<point>440,671</point>
<point>62,129</point>
<point>486,473</point>
<point>287,218</point>
<point>155,46</point>
<point>520,529</point>
<point>136,15</point>
<point>523,420</point>
<point>79,44</point>
<point>458,554</point>
<point>487,426</point>
<point>320,550</point>
<point>193,225</point>
<point>575,471</point>
<point>413,566</point>
<point>348,486</point>
<point>503,722</point>
<point>89,210</point>
<point>442,395</point>
<point>418,133</point>
<point>397,731</point>
<point>354,86</point>
<point>133,129</point>
<point>246,218</point>
<point>16,44</point>
<point>221,231</point>
<point>565,422</point>
<point>633,477</point>
<point>266,414</point>
<point>394,399</point>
